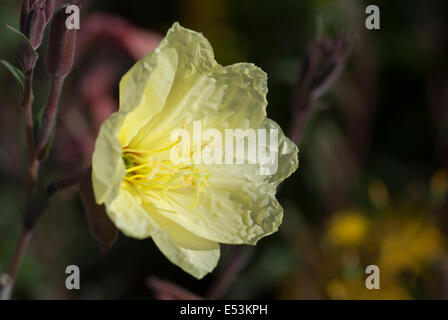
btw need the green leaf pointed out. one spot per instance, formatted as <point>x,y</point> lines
<point>25,38</point>
<point>38,119</point>
<point>101,227</point>
<point>17,73</point>
<point>46,150</point>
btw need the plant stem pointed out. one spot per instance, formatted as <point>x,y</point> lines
<point>19,252</point>
<point>25,235</point>
<point>28,111</point>
<point>65,182</point>
<point>33,171</point>
<point>27,105</point>
<point>239,259</point>
<point>50,113</point>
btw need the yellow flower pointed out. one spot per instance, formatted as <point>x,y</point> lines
<point>347,228</point>
<point>409,245</point>
<point>187,209</point>
<point>356,289</point>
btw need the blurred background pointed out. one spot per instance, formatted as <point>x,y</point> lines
<point>372,186</point>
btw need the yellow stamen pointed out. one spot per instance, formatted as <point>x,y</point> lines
<point>147,175</point>
<point>196,195</point>
<point>145,165</point>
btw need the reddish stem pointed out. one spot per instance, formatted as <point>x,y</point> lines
<point>25,236</point>
<point>19,252</point>
<point>27,106</point>
<point>50,113</point>
<point>240,258</point>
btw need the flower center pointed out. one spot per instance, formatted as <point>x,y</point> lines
<point>147,172</point>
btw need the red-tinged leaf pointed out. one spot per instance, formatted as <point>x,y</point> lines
<point>101,227</point>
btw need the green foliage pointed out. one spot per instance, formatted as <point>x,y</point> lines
<point>17,73</point>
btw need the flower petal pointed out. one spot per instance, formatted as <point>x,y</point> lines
<point>129,216</point>
<point>231,214</point>
<point>195,255</point>
<point>288,161</point>
<point>238,205</point>
<point>178,234</point>
<point>196,262</point>
<point>221,97</point>
<point>144,89</point>
<point>108,169</point>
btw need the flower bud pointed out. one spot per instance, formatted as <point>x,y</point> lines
<point>61,46</point>
<point>34,25</point>
<point>25,9</point>
<point>49,9</point>
<point>23,14</point>
<point>31,23</point>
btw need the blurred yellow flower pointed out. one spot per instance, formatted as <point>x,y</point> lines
<point>347,228</point>
<point>346,290</point>
<point>187,209</point>
<point>409,245</point>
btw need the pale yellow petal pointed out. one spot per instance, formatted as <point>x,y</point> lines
<point>178,234</point>
<point>128,215</point>
<point>220,97</point>
<point>108,169</point>
<point>144,89</point>
<point>196,262</point>
<point>231,214</point>
<point>288,160</point>
<point>195,255</point>
<point>238,205</point>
